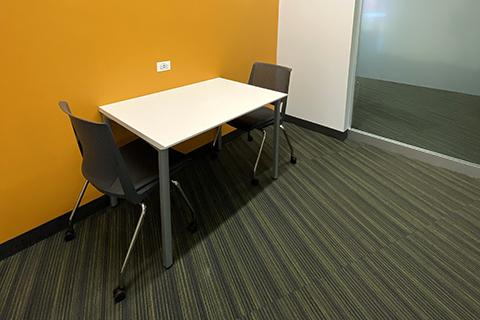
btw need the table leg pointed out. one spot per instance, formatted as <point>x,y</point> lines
<point>276,139</point>
<point>164,182</point>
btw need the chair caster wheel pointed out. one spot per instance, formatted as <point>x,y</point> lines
<point>119,294</point>
<point>293,160</point>
<point>69,234</point>
<point>255,182</point>
<point>250,138</point>
<point>192,227</point>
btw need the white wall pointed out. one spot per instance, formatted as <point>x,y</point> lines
<point>431,43</point>
<point>315,39</point>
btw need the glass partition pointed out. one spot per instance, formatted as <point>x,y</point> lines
<point>418,74</point>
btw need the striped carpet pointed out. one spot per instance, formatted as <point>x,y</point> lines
<point>350,232</point>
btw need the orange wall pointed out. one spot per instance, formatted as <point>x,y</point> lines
<point>92,53</point>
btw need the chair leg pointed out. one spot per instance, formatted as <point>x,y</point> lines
<point>254,179</point>
<point>217,142</point>
<point>70,233</point>
<point>192,226</point>
<point>119,293</point>
<point>249,138</point>
<point>293,159</point>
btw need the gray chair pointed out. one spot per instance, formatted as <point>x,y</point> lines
<point>128,172</point>
<point>268,76</point>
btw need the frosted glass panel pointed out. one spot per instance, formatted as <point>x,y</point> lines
<point>432,43</point>
<point>418,74</point>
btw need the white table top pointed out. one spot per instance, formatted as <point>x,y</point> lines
<point>169,117</point>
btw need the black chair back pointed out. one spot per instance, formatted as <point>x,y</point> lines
<point>273,77</point>
<point>103,165</point>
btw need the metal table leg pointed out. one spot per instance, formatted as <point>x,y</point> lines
<point>164,176</point>
<point>276,139</point>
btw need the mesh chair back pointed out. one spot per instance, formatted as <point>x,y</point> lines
<point>102,165</point>
<point>273,77</point>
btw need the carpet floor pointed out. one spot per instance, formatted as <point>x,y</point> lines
<point>349,232</point>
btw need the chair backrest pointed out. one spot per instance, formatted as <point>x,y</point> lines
<point>103,165</point>
<point>273,77</point>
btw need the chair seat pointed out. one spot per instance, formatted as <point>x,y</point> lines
<point>257,119</point>
<point>141,160</point>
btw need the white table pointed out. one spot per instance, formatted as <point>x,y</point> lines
<point>169,117</point>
